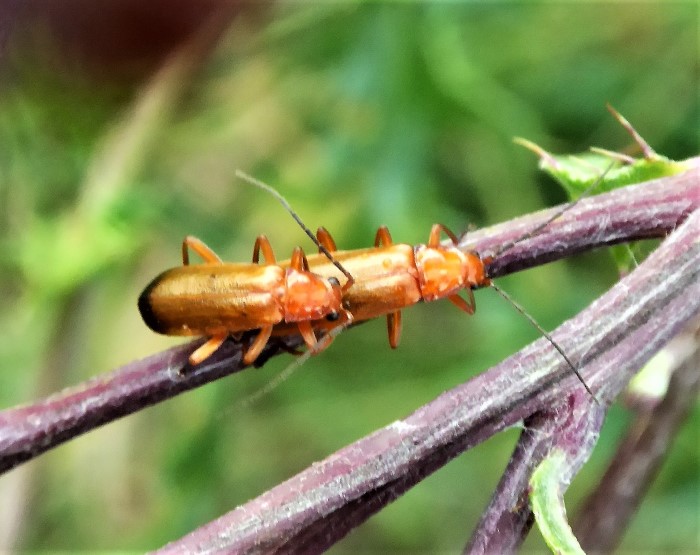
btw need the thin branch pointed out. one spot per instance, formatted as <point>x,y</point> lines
<point>571,424</point>
<point>612,338</point>
<point>647,210</point>
<point>606,514</point>
<point>643,211</point>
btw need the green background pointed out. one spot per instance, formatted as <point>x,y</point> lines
<point>361,115</point>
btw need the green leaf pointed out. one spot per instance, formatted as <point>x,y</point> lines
<point>599,170</point>
<point>578,172</point>
<point>547,502</point>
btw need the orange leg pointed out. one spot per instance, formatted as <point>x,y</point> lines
<point>468,306</point>
<point>326,241</point>
<point>307,332</point>
<point>257,345</point>
<point>299,261</point>
<point>206,350</point>
<point>210,257</point>
<point>434,239</point>
<point>393,322</point>
<point>383,237</point>
<point>263,243</point>
<point>325,238</point>
<point>343,322</point>
<point>200,248</point>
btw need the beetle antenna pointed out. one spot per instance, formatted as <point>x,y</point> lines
<point>284,375</point>
<point>647,151</point>
<point>568,206</point>
<point>534,231</point>
<point>283,201</point>
<point>549,338</point>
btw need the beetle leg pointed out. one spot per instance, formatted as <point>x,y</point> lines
<point>207,349</point>
<point>299,261</point>
<point>468,306</point>
<point>307,332</point>
<point>434,239</point>
<point>325,238</point>
<point>200,248</point>
<point>393,323</point>
<point>263,243</point>
<point>326,340</point>
<point>383,237</point>
<point>257,345</point>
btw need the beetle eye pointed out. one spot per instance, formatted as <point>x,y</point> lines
<point>332,316</point>
<point>334,281</point>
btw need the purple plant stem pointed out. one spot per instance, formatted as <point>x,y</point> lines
<point>571,425</point>
<point>607,512</point>
<point>30,430</point>
<point>502,527</point>
<point>611,339</point>
<point>651,209</point>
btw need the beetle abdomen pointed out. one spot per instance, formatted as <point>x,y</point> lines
<point>208,299</point>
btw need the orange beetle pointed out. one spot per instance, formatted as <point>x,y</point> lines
<point>217,299</point>
<point>390,277</point>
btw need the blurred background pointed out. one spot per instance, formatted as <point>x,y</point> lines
<point>121,125</point>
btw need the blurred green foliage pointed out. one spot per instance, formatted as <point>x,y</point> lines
<point>361,115</point>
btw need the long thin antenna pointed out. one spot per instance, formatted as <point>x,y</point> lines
<point>289,370</point>
<point>265,187</point>
<point>532,321</point>
<point>568,206</point>
<point>534,231</point>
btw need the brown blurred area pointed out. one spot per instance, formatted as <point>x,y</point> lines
<point>119,40</point>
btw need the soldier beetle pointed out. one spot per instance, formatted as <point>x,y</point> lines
<point>217,299</point>
<point>391,277</point>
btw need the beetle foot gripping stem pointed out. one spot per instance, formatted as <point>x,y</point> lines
<point>205,351</point>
